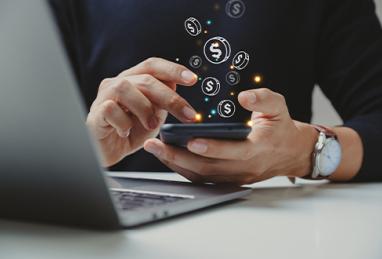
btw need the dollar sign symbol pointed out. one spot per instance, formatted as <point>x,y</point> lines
<point>236,9</point>
<point>215,49</point>
<point>189,26</point>
<point>210,86</point>
<point>232,78</point>
<point>239,58</point>
<point>227,108</point>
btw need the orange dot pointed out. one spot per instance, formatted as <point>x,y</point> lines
<point>250,123</point>
<point>198,117</point>
<point>258,79</point>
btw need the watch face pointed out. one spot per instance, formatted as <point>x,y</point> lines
<point>330,157</point>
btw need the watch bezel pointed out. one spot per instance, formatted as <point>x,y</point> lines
<point>325,136</point>
<point>319,157</point>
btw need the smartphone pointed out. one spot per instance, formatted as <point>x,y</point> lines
<point>180,134</point>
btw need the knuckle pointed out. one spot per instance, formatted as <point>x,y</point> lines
<point>147,80</point>
<point>104,83</point>
<point>90,120</point>
<point>149,63</point>
<point>264,93</point>
<point>147,109</point>
<point>108,108</point>
<point>281,98</point>
<point>119,87</point>
<point>175,102</point>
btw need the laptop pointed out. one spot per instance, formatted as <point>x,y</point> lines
<point>49,166</point>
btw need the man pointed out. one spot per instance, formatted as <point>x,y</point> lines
<point>297,44</point>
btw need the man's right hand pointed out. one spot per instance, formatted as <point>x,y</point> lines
<point>130,108</point>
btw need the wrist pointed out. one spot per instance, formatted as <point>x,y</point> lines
<point>306,140</point>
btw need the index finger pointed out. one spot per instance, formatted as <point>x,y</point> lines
<point>164,97</point>
<point>163,70</point>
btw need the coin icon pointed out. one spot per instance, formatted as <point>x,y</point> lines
<point>210,86</point>
<point>196,62</point>
<point>240,60</point>
<point>232,78</point>
<point>193,26</point>
<point>226,108</point>
<point>235,8</point>
<point>217,50</point>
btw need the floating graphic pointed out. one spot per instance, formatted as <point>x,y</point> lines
<point>232,78</point>
<point>196,62</point>
<point>226,108</point>
<point>240,60</point>
<point>219,84</point>
<point>235,8</point>
<point>211,86</point>
<point>217,50</point>
<point>193,26</point>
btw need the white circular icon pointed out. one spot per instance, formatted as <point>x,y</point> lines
<point>240,60</point>
<point>232,78</point>
<point>193,26</point>
<point>210,86</point>
<point>217,50</point>
<point>226,108</point>
<point>235,8</point>
<point>196,62</point>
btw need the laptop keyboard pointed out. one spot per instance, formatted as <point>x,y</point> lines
<point>130,200</point>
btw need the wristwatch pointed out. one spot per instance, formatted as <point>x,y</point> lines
<point>326,156</point>
<point>327,153</point>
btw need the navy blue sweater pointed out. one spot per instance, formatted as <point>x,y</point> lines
<point>293,44</point>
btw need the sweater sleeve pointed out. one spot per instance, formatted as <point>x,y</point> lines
<point>350,74</point>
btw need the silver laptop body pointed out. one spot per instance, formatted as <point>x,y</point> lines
<point>49,170</point>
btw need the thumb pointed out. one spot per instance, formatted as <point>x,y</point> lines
<point>264,101</point>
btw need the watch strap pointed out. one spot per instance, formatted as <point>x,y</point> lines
<point>328,132</point>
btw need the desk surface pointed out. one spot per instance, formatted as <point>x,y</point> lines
<point>276,221</point>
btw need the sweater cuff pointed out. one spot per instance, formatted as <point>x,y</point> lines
<point>369,127</point>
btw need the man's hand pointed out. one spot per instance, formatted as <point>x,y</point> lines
<point>130,108</point>
<point>277,146</point>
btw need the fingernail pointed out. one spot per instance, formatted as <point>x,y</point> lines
<point>188,76</point>
<point>189,113</point>
<point>154,149</point>
<point>198,147</point>
<point>153,123</point>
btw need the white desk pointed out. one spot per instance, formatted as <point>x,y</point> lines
<point>276,221</point>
